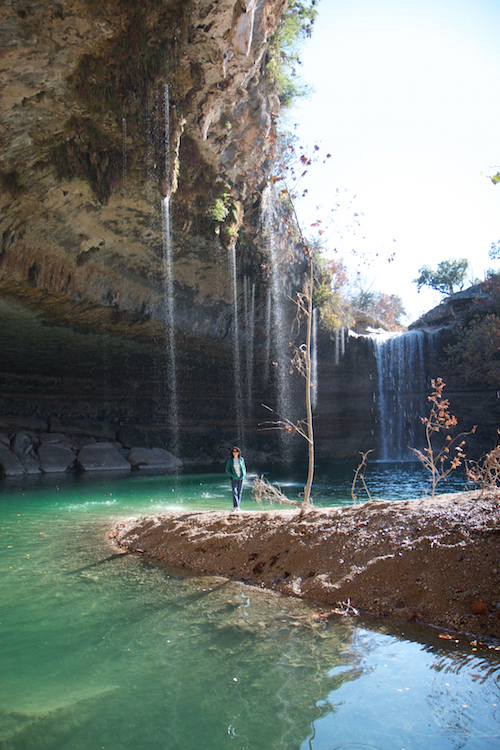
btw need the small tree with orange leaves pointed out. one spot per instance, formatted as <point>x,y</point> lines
<point>440,463</point>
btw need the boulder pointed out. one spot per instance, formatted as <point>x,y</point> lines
<point>153,458</point>
<point>27,423</point>
<point>131,436</point>
<point>31,465</point>
<point>10,465</point>
<point>54,458</point>
<point>4,439</point>
<point>52,437</point>
<point>101,456</point>
<point>21,444</point>
<point>92,428</point>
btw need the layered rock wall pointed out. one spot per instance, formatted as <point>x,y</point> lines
<point>106,108</point>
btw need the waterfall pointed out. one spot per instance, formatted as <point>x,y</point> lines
<point>124,177</point>
<point>249,302</point>
<point>314,360</point>
<point>279,335</point>
<point>339,344</point>
<point>168,282</point>
<point>238,391</point>
<point>168,289</point>
<point>402,391</point>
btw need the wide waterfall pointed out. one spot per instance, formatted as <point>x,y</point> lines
<point>403,362</point>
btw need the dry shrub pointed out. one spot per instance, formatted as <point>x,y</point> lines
<point>486,472</point>
<point>264,492</point>
<point>360,474</point>
<point>440,462</point>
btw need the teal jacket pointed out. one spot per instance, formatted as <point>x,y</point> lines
<point>230,469</point>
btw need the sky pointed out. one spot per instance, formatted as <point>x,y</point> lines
<point>406,100</point>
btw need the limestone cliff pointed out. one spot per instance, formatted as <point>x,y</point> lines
<point>107,107</point>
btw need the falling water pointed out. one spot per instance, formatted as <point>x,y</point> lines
<point>314,360</point>
<point>402,387</point>
<point>279,336</point>
<point>267,344</point>
<point>236,348</point>
<point>124,222</point>
<point>339,344</point>
<point>124,175</point>
<point>249,302</point>
<point>168,281</point>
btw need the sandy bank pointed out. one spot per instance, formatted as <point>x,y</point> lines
<point>435,561</point>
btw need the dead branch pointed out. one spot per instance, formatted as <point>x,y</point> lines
<point>263,491</point>
<point>360,472</point>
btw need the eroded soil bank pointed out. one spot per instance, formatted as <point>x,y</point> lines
<point>435,561</point>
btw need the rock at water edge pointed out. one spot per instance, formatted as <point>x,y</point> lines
<point>101,456</point>
<point>54,458</point>
<point>10,465</point>
<point>154,458</point>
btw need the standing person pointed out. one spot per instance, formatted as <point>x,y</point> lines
<point>235,467</point>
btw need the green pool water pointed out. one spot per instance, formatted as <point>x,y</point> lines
<point>100,651</point>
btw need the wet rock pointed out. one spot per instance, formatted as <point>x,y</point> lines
<point>52,437</point>
<point>10,465</point>
<point>154,458</point>
<point>4,439</point>
<point>55,458</point>
<point>28,423</point>
<point>101,456</point>
<point>80,440</point>
<point>89,427</point>
<point>21,444</point>
<point>31,464</point>
<point>131,436</point>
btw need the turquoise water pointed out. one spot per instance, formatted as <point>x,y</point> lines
<point>100,651</point>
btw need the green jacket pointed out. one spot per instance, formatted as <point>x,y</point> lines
<point>230,469</point>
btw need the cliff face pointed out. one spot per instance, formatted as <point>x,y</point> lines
<point>136,144</point>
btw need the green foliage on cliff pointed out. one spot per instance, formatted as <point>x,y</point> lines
<point>284,48</point>
<point>448,275</point>
<point>118,79</point>
<point>330,284</point>
<point>475,356</point>
<point>84,150</point>
<point>385,309</point>
<point>11,182</point>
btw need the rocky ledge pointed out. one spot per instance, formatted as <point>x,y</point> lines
<point>433,561</point>
<point>29,445</point>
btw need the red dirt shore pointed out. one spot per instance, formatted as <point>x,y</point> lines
<point>435,561</point>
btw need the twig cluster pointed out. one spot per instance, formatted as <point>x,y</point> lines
<point>441,462</point>
<point>360,474</point>
<point>485,472</point>
<point>263,491</point>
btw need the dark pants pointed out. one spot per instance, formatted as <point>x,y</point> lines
<point>237,487</point>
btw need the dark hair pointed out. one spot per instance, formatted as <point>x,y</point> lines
<point>235,448</point>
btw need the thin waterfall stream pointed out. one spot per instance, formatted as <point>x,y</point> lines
<point>249,303</point>
<point>279,335</point>
<point>168,276</point>
<point>238,390</point>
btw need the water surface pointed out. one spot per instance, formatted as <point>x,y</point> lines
<point>111,652</point>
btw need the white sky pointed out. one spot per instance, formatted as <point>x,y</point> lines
<point>407,102</point>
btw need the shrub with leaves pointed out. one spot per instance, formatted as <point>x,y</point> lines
<point>440,462</point>
<point>294,27</point>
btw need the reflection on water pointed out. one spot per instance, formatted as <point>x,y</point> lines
<point>100,650</point>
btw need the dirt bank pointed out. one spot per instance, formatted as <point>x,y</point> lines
<point>429,560</point>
